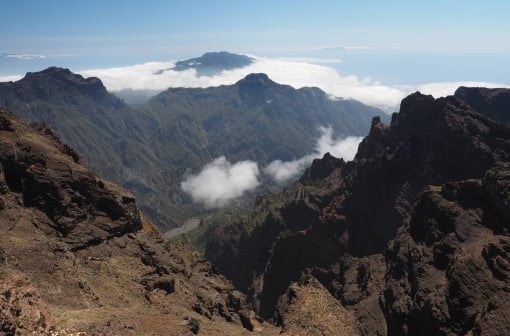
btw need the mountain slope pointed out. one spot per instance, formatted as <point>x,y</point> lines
<point>411,237</point>
<point>111,136</point>
<point>148,150</point>
<point>76,255</point>
<point>254,119</point>
<point>491,102</point>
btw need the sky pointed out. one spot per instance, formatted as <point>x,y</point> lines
<point>392,43</point>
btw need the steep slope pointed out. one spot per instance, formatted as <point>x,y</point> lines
<point>491,102</point>
<point>411,237</point>
<point>255,119</point>
<point>148,150</point>
<point>110,135</point>
<point>76,254</point>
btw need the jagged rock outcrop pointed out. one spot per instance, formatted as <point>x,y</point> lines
<point>308,309</point>
<point>491,102</point>
<point>77,255</point>
<point>410,237</point>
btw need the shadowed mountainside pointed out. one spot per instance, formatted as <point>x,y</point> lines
<point>411,238</point>
<point>254,119</point>
<point>491,102</point>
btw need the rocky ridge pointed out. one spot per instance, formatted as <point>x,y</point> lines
<point>410,238</point>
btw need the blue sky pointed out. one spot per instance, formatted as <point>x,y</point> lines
<point>397,42</point>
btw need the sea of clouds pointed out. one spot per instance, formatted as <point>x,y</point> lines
<point>291,71</point>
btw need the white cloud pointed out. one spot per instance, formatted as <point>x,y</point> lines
<point>297,73</point>
<point>448,88</point>
<point>357,48</point>
<point>282,171</point>
<point>346,148</point>
<point>24,56</point>
<point>220,181</point>
<point>12,78</point>
<point>313,60</point>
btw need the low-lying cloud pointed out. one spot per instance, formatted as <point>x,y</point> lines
<point>346,148</point>
<point>12,78</point>
<point>220,181</point>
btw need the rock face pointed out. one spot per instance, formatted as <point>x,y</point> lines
<point>77,255</point>
<point>21,309</point>
<point>491,102</point>
<point>411,237</point>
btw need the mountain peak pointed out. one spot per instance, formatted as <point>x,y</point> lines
<point>212,63</point>
<point>65,75</point>
<point>256,79</point>
<point>57,70</point>
<point>55,81</point>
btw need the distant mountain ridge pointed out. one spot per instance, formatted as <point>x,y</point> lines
<point>256,119</point>
<point>148,149</point>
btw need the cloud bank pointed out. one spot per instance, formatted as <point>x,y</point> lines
<point>346,148</point>
<point>220,181</point>
<point>294,72</point>
<point>12,78</point>
<point>291,71</point>
<point>448,88</point>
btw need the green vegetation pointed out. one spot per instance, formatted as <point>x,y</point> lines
<point>198,237</point>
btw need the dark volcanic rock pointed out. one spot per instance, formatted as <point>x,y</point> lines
<point>322,168</point>
<point>412,236</point>
<point>494,103</point>
<point>68,197</point>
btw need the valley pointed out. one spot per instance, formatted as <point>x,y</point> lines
<point>149,149</point>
